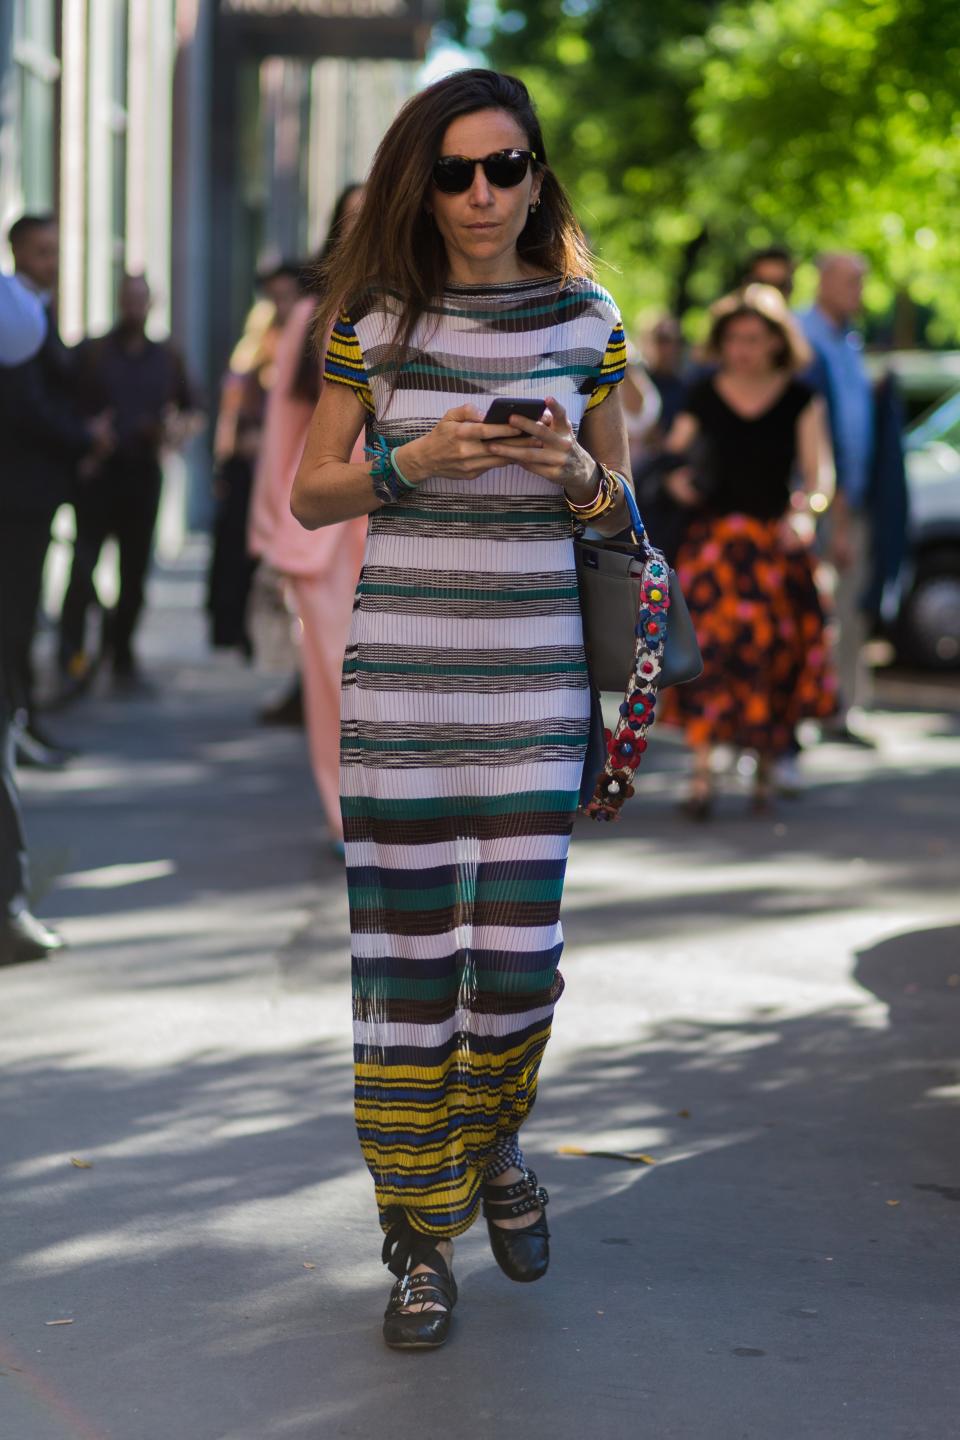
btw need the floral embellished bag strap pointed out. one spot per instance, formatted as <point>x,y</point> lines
<point>627,742</point>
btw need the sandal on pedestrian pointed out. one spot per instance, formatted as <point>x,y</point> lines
<point>522,1253</point>
<point>433,1292</point>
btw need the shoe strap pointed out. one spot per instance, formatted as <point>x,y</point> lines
<point>501,1202</point>
<point>422,1289</point>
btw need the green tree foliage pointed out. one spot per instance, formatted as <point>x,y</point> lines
<point>616,108</point>
<point>690,131</point>
<point>835,122</point>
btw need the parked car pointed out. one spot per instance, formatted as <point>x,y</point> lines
<point>924,377</point>
<point>927,630</point>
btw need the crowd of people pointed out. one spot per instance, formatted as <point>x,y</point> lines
<point>83,427</point>
<point>763,460</point>
<point>755,456</point>
<point>773,474</point>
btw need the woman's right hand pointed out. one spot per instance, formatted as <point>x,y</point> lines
<point>456,447</point>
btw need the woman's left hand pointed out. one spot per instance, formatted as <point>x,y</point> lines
<point>552,451</point>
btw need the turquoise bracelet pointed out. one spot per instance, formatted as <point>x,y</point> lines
<point>388,480</point>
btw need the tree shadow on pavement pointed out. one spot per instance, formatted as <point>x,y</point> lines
<point>780,1269</point>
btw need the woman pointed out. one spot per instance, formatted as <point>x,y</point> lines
<point>321,570</point>
<point>745,563</point>
<point>237,439</point>
<point>465,709</point>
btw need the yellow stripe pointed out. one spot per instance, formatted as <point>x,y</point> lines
<point>384,1119</point>
<point>599,395</point>
<point>462,1060</point>
<point>347,352</point>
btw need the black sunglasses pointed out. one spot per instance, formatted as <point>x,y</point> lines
<point>504,168</point>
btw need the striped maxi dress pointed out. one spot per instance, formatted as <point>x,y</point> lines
<point>464,724</point>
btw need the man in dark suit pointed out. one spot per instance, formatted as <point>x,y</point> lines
<point>44,439</point>
<point>143,385</point>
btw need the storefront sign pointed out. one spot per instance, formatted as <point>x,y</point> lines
<point>325,9</point>
<point>376,29</point>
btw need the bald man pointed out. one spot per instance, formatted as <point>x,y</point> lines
<point>840,373</point>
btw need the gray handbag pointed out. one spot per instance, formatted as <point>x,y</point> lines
<point>609,575</point>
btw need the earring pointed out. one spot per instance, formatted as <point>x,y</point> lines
<point>534,207</point>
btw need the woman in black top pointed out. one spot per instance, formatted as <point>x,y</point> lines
<point>745,564</point>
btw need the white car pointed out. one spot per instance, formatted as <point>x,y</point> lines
<point>928,625</point>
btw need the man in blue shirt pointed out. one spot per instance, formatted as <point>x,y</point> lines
<point>841,375</point>
<point>23,321</point>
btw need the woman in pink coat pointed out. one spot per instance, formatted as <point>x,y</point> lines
<point>321,566</point>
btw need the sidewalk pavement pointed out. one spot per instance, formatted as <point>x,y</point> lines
<point>768,1009</point>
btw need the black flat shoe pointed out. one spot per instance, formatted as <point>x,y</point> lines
<point>405,1329</point>
<point>523,1254</point>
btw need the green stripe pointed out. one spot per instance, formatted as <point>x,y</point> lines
<point>442,897</point>
<point>521,310</point>
<point>518,742</point>
<point>436,807</point>
<point>419,368</point>
<point>492,981</point>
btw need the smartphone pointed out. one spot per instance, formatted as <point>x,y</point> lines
<point>501,410</point>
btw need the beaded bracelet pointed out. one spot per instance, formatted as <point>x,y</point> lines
<point>607,495</point>
<point>387,479</point>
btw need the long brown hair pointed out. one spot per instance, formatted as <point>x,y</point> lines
<point>395,245</point>
<point>306,383</point>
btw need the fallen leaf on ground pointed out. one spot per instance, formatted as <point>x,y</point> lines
<point>81,1164</point>
<point>893,1202</point>
<point>309,1265</point>
<point>58,1322</point>
<point>684,1114</point>
<point>633,1156</point>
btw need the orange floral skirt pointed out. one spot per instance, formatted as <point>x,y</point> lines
<point>758,618</point>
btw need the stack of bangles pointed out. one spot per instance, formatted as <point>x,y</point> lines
<point>388,480</point>
<point>609,485</point>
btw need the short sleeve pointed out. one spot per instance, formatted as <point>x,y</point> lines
<point>344,363</point>
<point>613,367</point>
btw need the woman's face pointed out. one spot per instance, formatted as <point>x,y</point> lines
<point>749,346</point>
<point>482,226</point>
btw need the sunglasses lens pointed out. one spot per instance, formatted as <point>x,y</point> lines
<point>506,169</point>
<point>453,175</point>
